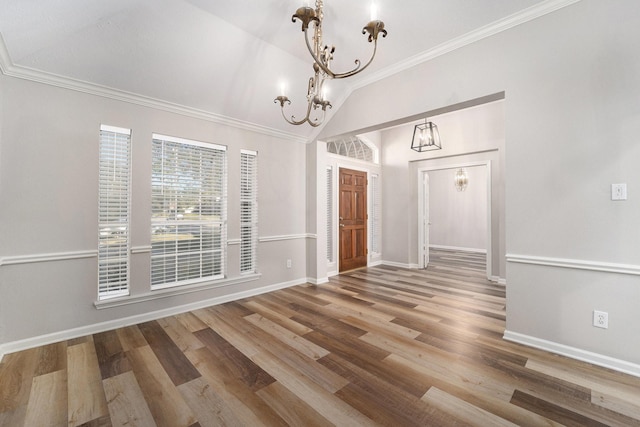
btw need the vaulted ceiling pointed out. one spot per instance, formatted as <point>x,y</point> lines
<point>224,59</point>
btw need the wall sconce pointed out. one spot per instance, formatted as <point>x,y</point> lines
<point>426,137</point>
<point>460,180</point>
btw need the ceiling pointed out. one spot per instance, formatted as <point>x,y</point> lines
<point>225,59</point>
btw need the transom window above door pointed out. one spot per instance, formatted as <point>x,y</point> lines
<point>353,147</point>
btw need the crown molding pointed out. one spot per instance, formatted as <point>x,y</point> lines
<point>526,15</point>
<point>9,69</point>
<point>496,27</point>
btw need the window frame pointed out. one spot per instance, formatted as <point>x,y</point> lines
<point>248,211</point>
<point>114,211</point>
<point>174,225</point>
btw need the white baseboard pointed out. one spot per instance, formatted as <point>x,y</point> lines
<point>318,281</point>
<point>499,280</point>
<point>575,353</point>
<point>11,347</point>
<point>458,248</point>
<point>399,264</point>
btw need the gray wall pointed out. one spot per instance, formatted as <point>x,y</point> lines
<point>572,123</point>
<point>458,218</point>
<point>469,136</point>
<point>48,207</point>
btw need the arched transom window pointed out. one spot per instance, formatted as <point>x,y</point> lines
<point>354,148</point>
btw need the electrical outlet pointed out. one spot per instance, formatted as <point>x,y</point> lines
<point>600,319</point>
<point>619,191</point>
<point>288,263</point>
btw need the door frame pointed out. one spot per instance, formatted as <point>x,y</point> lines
<point>423,196</point>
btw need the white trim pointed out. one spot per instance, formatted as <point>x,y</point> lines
<point>8,68</point>
<point>457,248</point>
<point>574,353</point>
<point>5,59</point>
<point>140,249</point>
<point>114,129</point>
<point>178,140</point>
<point>489,30</point>
<point>400,264</point>
<point>488,182</point>
<point>499,280</point>
<point>606,267</point>
<point>68,334</point>
<point>277,238</point>
<point>173,291</point>
<point>287,237</point>
<point>518,18</point>
<point>57,256</point>
<point>249,152</point>
<point>318,281</point>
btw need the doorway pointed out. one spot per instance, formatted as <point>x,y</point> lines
<point>352,211</point>
<point>480,204</point>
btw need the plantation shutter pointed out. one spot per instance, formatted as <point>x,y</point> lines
<point>329,214</point>
<point>188,211</point>
<point>114,188</point>
<point>248,210</point>
<point>376,229</point>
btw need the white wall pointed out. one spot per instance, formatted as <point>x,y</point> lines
<point>48,208</point>
<point>572,123</point>
<point>458,218</point>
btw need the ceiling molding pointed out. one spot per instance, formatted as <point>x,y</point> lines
<point>496,27</point>
<point>9,69</point>
<point>5,60</point>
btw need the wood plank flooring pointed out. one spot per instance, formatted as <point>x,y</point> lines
<point>378,346</point>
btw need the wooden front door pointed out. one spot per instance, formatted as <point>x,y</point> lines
<point>353,219</point>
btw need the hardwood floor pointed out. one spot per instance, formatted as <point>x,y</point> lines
<point>378,346</point>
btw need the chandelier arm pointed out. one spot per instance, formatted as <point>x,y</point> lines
<point>359,68</point>
<point>315,57</point>
<point>307,119</point>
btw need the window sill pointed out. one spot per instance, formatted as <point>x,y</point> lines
<point>171,292</point>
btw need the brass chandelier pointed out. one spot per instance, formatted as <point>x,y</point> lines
<point>322,56</point>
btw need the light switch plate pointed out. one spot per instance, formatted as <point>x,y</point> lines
<point>618,191</point>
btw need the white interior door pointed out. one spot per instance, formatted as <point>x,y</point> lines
<point>424,222</point>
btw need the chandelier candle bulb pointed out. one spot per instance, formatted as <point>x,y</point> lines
<point>374,12</point>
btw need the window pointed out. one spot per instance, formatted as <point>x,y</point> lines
<point>376,210</point>
<point>353,147</point>
<point>248,210</point>
<point>114,188</point>
<point>188,211</point>
<point>329,214</point>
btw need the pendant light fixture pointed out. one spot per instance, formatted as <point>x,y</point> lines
<point>426,137</point>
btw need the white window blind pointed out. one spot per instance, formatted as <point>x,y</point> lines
<point>188,211</point>
<point>248,211</point>
<point>114,188</point>
<point>376,206</point>
<point>329,214</point>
